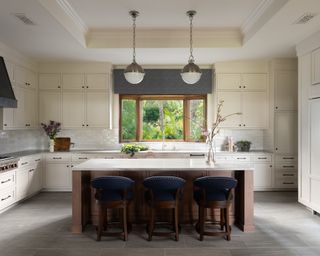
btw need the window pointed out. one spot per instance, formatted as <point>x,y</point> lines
<point>158,118</point>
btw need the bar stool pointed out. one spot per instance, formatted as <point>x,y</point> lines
<point>214,193</point>
<point>164,192</point>
<point>112,192</point>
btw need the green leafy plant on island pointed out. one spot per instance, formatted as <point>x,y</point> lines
<point>133,148</point>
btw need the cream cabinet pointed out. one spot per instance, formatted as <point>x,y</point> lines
<point>286,133</point>
<point>97,109</point>
<point>24,77</point>
<point>73,81</point>
<point>22,183</point>
<point>50,81</point>
<point>50,106</point>
<point>243,81</point>
<point>262,176</point>
<point>96,81</point>
<point>315,66</point>
<point>252,105</point>
<point>286,90</point>
<point>73,110</point>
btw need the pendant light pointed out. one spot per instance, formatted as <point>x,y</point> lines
<point>134,73</point>
<point>191,73</point>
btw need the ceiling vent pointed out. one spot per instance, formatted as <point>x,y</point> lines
<point>305,18</point>
<point>22,17</point>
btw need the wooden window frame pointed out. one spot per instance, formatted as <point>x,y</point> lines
<point>186,110</point>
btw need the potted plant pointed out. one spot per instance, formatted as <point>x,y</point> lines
<point>133,148</point>
<point>243,145</point>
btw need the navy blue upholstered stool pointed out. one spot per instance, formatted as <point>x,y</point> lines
<point>112,192</point>
<point>164,192</point>
<point>214,193</point>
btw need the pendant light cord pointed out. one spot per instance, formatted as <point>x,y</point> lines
<point>191,58</point>
<point>134,37</point>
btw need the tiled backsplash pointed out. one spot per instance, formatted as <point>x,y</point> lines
<point>11,141</point>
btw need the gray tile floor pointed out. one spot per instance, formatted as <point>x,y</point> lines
<point>41,226</point>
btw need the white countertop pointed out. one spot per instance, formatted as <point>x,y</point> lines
<point>154,164</point>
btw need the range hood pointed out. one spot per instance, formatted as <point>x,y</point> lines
<point>7,98</point>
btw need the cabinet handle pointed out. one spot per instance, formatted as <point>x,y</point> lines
<point>4,124</point>
<point>287,175</point>
<point>31,170</point>
<point>56,158</point>
<point>24,163</point>
<point>262,158</point>
<point>71,166</point>
<point>5,181</point>
<point>241,158</point>
<point>288,166</point>
<point>37,160</point>
<point>287,183</point>
<point>3,199</point>
<point>270,166</point>
<point>82,158</point>
<point>67,165</point>
<point>26,83</point>
<point>287,158</point>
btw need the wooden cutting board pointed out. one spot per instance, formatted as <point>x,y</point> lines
<point>62,144</point>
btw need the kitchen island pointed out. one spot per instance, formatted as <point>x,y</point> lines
<point>84,208</point>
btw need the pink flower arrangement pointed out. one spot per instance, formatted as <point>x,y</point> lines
<point>52,128</point>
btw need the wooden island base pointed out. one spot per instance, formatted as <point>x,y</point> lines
<point>84,208</point>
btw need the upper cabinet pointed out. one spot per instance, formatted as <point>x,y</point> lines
<point>96,81</point>
<point>285,89</point>
<point>25,78</point>
<point>50,81</point>
<point>73,81</point>
<point>241,81</point>
<point>316,66</point>
<point>246,93</point>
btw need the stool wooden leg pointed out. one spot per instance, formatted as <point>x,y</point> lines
<point>228,230</point>
<point>151,224</point>
<point>128,220</point>
<point>201,222</point>
<point>105,220</point>
<point>176,222</point>
<point>125,227</point>
<point>100,222</point>
<point>222,218</point>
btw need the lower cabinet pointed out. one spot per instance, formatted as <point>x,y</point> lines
<point>58,177</point>
<point>262,176</point>
<point>7,189</point>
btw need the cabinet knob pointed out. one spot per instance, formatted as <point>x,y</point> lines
<point>276,107</point>
<point>239,124</point>
<point>59,86</point>
<point>87,125</point>
<point>244,125</point>
<point>82,125</point>
<point>82,86</point>
<point>4,124</point>
<point>239,86</point>
<point>67,165</point>
<point>244,86</point>
<point>276,148</point>
<point>87,87</point>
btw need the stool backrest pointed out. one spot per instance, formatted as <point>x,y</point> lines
<point>210,183</point>
<point>112,183</point>
<point>163,183</point>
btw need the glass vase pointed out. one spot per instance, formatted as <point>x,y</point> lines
<point>210,154</point>
<point>51,145</point>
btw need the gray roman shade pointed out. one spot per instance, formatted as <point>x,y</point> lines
<point>162,81</point>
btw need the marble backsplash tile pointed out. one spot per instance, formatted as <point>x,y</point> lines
<point>95,138</point>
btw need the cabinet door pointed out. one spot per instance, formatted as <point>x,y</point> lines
<point>255,110</point>
<point>7,118</point>
<point>19,116</point>
<point>97,110</point>
<point>57,176</point>
<point>286,90</point>
<point>262,176</point>
<point>49,106</point>
<point>34,180</point>
<point>254,81</point>
<point>32,79</point>
<point>232,104</point>
<point>286,135</point>
<point>22,179</point>
<point>49,81</point>
<point>73,81</point>
<point>96,81</point>
<point>316,66</point>
<point>73,110</point>
<point>228,81</point>
<point>31,108</point>
<point>24,77</point>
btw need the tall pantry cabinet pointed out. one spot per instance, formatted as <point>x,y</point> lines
<point>309,122</point>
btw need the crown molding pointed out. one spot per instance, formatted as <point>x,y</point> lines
<point>260,16</point>
<point>164,38</point>
<point>62,11</point>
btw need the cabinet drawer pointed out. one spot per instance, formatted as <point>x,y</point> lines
<point>261,158</point>
<point>286,175</point>
<point>241,158</point>
<point>7,180</point>
<point>223,158</point>
<point>286,158</point>
<point>29,160</point>
<point>80,157</point>
<point>287,183</point>
<point>6,197</point>
<point>286,166</point>
<point>58,158</point>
